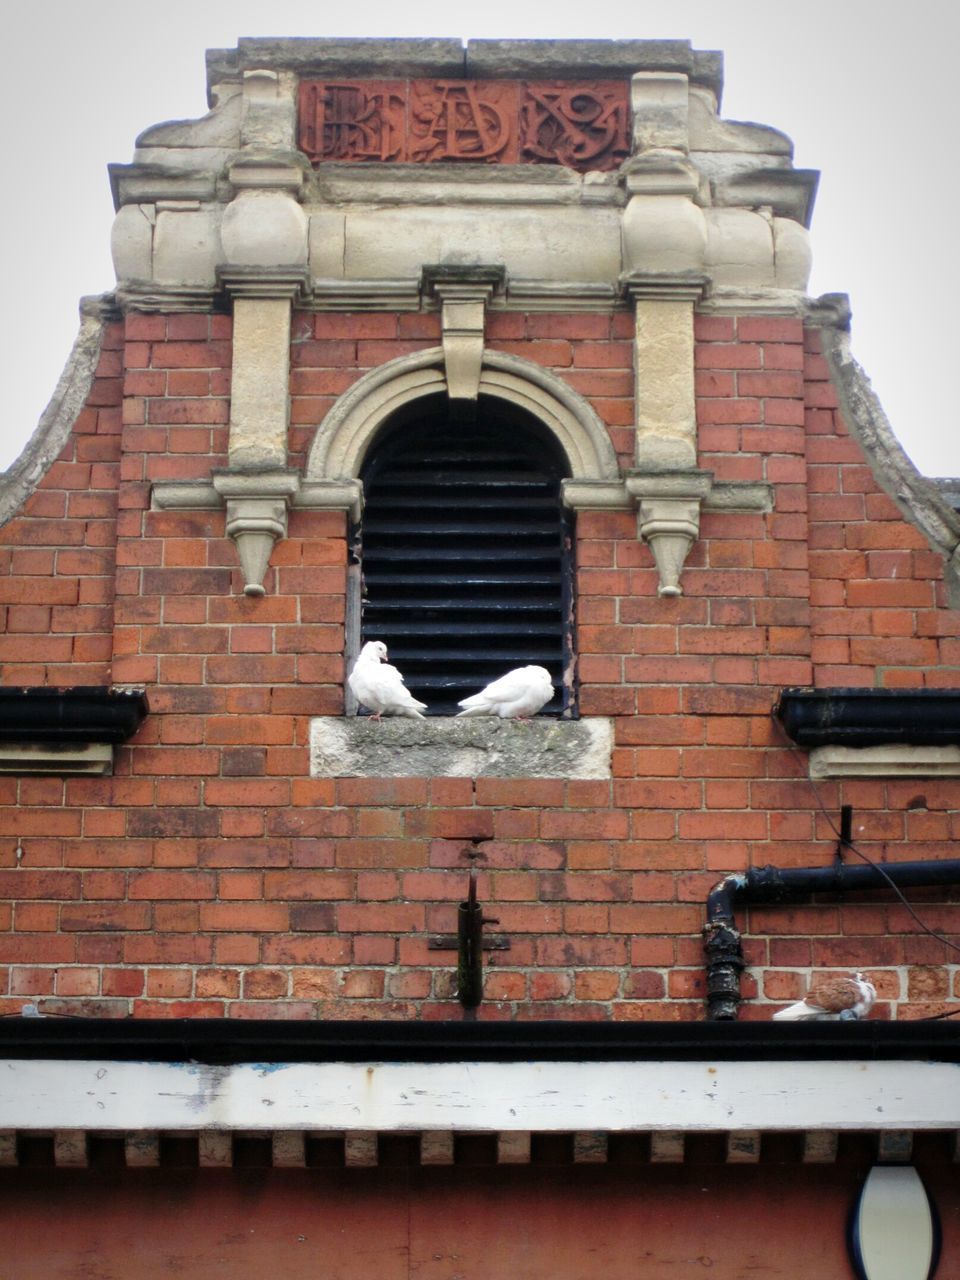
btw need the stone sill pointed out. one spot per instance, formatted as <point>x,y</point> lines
<point>448,747</point>
<point>25,758</point>
<point>895,760</point>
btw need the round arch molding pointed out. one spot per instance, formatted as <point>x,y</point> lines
<point>343,438</point>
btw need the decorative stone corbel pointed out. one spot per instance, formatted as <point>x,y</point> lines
<point>668,504</point>
<point>464,293</point>
<point>257,505</point>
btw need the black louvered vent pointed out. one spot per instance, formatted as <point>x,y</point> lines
<point>466,554</point>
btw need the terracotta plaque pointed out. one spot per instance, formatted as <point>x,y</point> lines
<point>583,125</point>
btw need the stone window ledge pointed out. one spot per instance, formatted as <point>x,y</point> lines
<point>476,747</point>
<point>896,760</point>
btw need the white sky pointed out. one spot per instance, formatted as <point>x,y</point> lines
<point>865,88</point>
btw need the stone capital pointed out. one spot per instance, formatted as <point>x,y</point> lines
<point>291,282</point>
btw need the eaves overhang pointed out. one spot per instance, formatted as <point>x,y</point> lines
<point>72,1082</point>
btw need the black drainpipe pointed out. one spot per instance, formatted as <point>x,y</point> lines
<point>721,937</point>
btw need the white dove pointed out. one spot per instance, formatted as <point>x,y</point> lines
<point>515,696</point>
<point>832,1000</point>
<point>380,687</point>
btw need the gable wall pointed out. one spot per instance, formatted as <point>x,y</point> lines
<point>211,874</point>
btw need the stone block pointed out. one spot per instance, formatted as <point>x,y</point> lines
<point>186,247</point>
<point>440,746</point>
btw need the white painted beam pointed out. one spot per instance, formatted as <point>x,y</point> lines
<point>540,1097</point>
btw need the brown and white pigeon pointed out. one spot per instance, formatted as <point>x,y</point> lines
<point>833,1000</point>
<point>516,696</point>
<point>379,687</point>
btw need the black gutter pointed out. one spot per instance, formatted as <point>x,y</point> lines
<point>786,884</point>
<point>87,713</point>
<point>870,717</point>
<point>222,1041</point>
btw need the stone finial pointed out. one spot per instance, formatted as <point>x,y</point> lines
<point>464,292</point>
<point>669,519</point>
<point>257,504</point>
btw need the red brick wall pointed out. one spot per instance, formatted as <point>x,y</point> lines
<point>212,876</point>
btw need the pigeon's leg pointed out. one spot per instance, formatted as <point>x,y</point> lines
<point>377,716</point>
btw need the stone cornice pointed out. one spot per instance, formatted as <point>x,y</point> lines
<point>475,59</point>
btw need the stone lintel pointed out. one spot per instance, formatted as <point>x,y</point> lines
<point>443,746</point>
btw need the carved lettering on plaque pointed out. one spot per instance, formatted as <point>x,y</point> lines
<point>463,120</point>
<point>582,126</point>
<point>346,121</point>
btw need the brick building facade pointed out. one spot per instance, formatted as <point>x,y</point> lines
<point>571,236</point>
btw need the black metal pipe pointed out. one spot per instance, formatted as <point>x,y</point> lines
<point>722,939</point>
<point>470,949</point>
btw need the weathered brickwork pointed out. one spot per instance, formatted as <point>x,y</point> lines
<point>211,875</point>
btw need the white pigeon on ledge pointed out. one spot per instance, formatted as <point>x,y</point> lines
<point>833,1000</point>
<point>516,696</point>
<point>379,687</point>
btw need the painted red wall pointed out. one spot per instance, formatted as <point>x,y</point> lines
<point>779,1219</point>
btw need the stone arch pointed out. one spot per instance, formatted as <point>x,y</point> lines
<point>345,435</point>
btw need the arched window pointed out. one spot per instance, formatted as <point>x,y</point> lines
<point>465,550</point>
